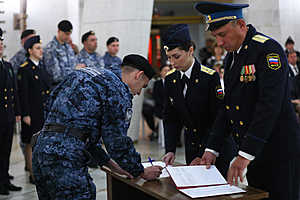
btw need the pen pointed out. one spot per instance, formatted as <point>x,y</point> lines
<point>150,160</point>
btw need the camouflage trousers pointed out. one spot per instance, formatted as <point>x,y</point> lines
<point>58,179</point>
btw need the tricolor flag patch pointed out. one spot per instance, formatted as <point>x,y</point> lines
<point>219,92</point>
<point>273,60</point>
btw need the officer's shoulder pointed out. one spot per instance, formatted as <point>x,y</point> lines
<point>25,64</point>
<point>207,70</point>
<point>171,72</point>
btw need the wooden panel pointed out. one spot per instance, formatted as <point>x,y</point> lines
<point>164,189</point>
<point>166,20</point>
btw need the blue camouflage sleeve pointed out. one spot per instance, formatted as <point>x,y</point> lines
<point>116,121</point>
<point>51,63</point>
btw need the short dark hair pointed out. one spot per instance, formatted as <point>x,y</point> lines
<point>65,26</point>
<point>290,52</point>
<point>184,46</point>
<point>289,41</point>
<point>27,32</point>
<point>111,40</point>
<point>86,36</point>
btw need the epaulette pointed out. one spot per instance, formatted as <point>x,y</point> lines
<point>260,38</point>
<point>170,72</point>
<point>24,64</point>
<point>207,70</point>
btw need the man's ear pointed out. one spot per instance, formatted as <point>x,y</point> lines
<point>140,74</point>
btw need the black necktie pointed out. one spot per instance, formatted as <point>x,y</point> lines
<point>185,80</point>
<point>234,56</point>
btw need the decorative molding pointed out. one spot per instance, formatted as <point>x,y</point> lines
<point>166,20</point>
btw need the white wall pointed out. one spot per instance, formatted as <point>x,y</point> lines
<point>43,16</point>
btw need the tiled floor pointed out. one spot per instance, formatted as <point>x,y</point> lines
<point>144,146</point>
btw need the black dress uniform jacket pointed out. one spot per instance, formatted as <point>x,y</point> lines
<point>34,88</point>
<point>9,109</point>
<point>9,101</point>
<point>259,115</point>
<point>159,98</point>
<point>196,111</point>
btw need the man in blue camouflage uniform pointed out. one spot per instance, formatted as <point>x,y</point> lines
<point>59,57</point>
<point>16,61</point>
<point>111,60</point>
<point>88,55</point>
<point>90,104</point>
<point>19,58</point>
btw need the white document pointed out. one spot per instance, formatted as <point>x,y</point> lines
<point>191,176</point>
<point>158,163</point>
<point>211,191</point>
<point>197,181</point>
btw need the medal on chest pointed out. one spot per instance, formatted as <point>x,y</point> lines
<point>248,73</point>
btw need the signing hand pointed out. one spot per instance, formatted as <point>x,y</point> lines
<point>79,66</point>
<point>151,173</point>
<point>169,158</point>
<point>236,170</point>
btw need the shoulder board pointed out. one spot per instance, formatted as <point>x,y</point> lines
<point>24,64</point>
<point>260,38</point>
<point>171,71</point>
<point>207,70</point>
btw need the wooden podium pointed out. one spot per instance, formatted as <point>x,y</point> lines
<point>119,188</point>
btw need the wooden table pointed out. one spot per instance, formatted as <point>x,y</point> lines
<point>119,188</point>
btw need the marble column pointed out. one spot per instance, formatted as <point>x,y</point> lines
<point>130,21</point>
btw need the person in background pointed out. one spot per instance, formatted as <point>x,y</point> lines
<point>9,114</point>
<point>216,60</point>
<point>290,46</point>
<point>206,52</point>
<point>88,55</point>
<point>111,60</point>
<point>34,88</point>
<point>59,58</point>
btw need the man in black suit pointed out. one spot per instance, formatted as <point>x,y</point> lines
<point>258,112</point>
<point>9,113</point>
<point>193,98</point>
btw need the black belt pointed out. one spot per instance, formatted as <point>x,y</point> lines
<point>76,132</point>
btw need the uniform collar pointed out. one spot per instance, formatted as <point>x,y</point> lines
<point>188,72</point>
<point>36,63</point>
<point>250,33</point>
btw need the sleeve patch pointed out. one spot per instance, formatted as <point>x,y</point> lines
<point>273,60</point>
<point>219,92</point>
<point>207,70</point>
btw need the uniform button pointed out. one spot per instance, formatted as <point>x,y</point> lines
<point>185,128</point>
<point>231,121</point>
<point>193,143</point>
<point>227,107</point>
<point>33,67</point>
<point>237,135</point>
<point>5,90</point>
<point>12,97</point>
<point>5,97</point>
<point>5,105</point>
<point>43,92</point>
<point>47,91</point>
<point>200,145</point>
<point>241,123</point>
<point>237,107</point>
<point>194,130</point>
<point>11,89</point>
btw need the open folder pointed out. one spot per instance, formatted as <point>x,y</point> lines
<point>197,181</point>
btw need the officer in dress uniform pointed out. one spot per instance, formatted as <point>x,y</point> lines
<point>59,57</point>
<point>34,88</point>
<point>88,55</point>
<point>92,103</point>
<point>258,112</point>
<point>9,113</point>
<point>194,96</point>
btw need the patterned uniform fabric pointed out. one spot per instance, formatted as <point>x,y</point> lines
<point>18,59</point>
<point>113,63</point>
<point>59,60</point>
<point>96,101</point>
<point>90,60</point>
